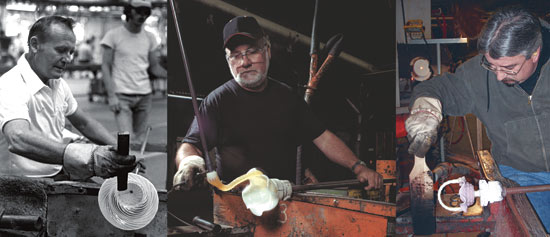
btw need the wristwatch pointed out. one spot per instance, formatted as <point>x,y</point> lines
<point>359,162</point>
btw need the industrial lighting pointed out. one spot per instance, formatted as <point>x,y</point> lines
<point>28,7</point>
<point>420,69</point>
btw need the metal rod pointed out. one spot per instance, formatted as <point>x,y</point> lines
<point>333,184</point>
<point>527,189</point>
<point>191,88</point>
<point>215,228</point>
<point>123,148</point>
<point>16,222</point>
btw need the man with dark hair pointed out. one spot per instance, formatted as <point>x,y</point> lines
<point>128,53</point>
<point>256,121</point>
<point>34,102</point>
<point>506,86</point>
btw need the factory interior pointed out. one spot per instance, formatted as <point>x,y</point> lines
<point>362,94</point>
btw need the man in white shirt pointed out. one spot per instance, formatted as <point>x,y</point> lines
<point>34,102</point>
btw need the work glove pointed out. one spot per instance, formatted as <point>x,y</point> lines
<point>82,161</point>
<point>190,173</point>
<point>422,125</point>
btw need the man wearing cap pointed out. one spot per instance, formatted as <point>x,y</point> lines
<point>507,87</point>
<point>34,102</point>
<point>256,121</point>
<point>128,53</point>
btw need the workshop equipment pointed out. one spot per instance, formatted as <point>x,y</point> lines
<point>123,148</point>
<point>513,216</point>
<point>306,214</point>
<point>134,203</point>
<point>489,192</point>
<point>422,197</point>
<point>43,207</point>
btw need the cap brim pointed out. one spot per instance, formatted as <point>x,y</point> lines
<point>235,36</point>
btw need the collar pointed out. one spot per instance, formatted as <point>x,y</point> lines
<point>29,76</point>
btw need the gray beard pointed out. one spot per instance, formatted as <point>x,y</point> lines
<point>251,84</point>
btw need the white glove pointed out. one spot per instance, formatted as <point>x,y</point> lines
<point>82,161</point>
<point>186,177</point>
<point>422,125</point>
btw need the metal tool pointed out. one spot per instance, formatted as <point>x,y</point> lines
<point>422,197</point>
<point>123,148</point>
<point>488,192</point>
<point>333,184</point>
<point>207,225</point>
<point>209,167</point>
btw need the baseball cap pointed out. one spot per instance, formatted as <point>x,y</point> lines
<point>240,26</point>
<point>140,3</point>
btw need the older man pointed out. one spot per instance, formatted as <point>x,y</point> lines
<point>34,102</point>
<point>507,87</point>
<point>256,121</point>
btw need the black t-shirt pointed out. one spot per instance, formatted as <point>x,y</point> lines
<point>255,129</point>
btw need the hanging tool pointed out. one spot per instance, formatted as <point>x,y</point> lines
<point>123,148</point>
<point>313,52</point>
<point>422,197</point>
<point>334,48</point>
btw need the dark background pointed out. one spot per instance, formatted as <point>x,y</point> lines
<point>369,34</point>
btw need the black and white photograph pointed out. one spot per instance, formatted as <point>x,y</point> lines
<point>83,118</point>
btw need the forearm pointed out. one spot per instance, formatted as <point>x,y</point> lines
<point>186,150</point>
<point>107,79</point>
<point>335,149</point>
<point>159,71</point>
<point>33,145</point>
<point>96,132</point>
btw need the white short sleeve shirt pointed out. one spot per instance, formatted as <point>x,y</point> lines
<point>130,59</point>
<point>24,96</point>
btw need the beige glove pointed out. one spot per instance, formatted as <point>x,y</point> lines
<point>422,125</point>
<point>82,161</point>
<point>186,177</point>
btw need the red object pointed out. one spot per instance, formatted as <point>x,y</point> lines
<point>400,125</point>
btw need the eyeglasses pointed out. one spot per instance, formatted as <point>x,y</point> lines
<point>485,64</point>
<point>253,54</point>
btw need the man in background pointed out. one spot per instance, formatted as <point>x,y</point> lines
<point>128,53</point>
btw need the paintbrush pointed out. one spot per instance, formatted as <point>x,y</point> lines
<point>422,197</point>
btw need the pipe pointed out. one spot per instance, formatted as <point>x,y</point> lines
<point>207,225</point>
<point>526,189</point>
<point>281,30</point>
<point>191,88</point>
<point>333,184</point>
<point>20,222</point>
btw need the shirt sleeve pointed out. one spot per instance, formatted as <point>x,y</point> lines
<point>310,126</point>
<point>153,41</point>
<point>72,105</point>
<point>109,39</point>
<point>208,111</point>
<point>13,101</point>
<point>453,90</point>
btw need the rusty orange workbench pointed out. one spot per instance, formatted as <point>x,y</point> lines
<point>308,214</point>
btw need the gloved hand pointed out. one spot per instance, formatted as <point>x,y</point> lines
<point>186,177</point>
<point>422,125</point>
<point>81,161</point>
